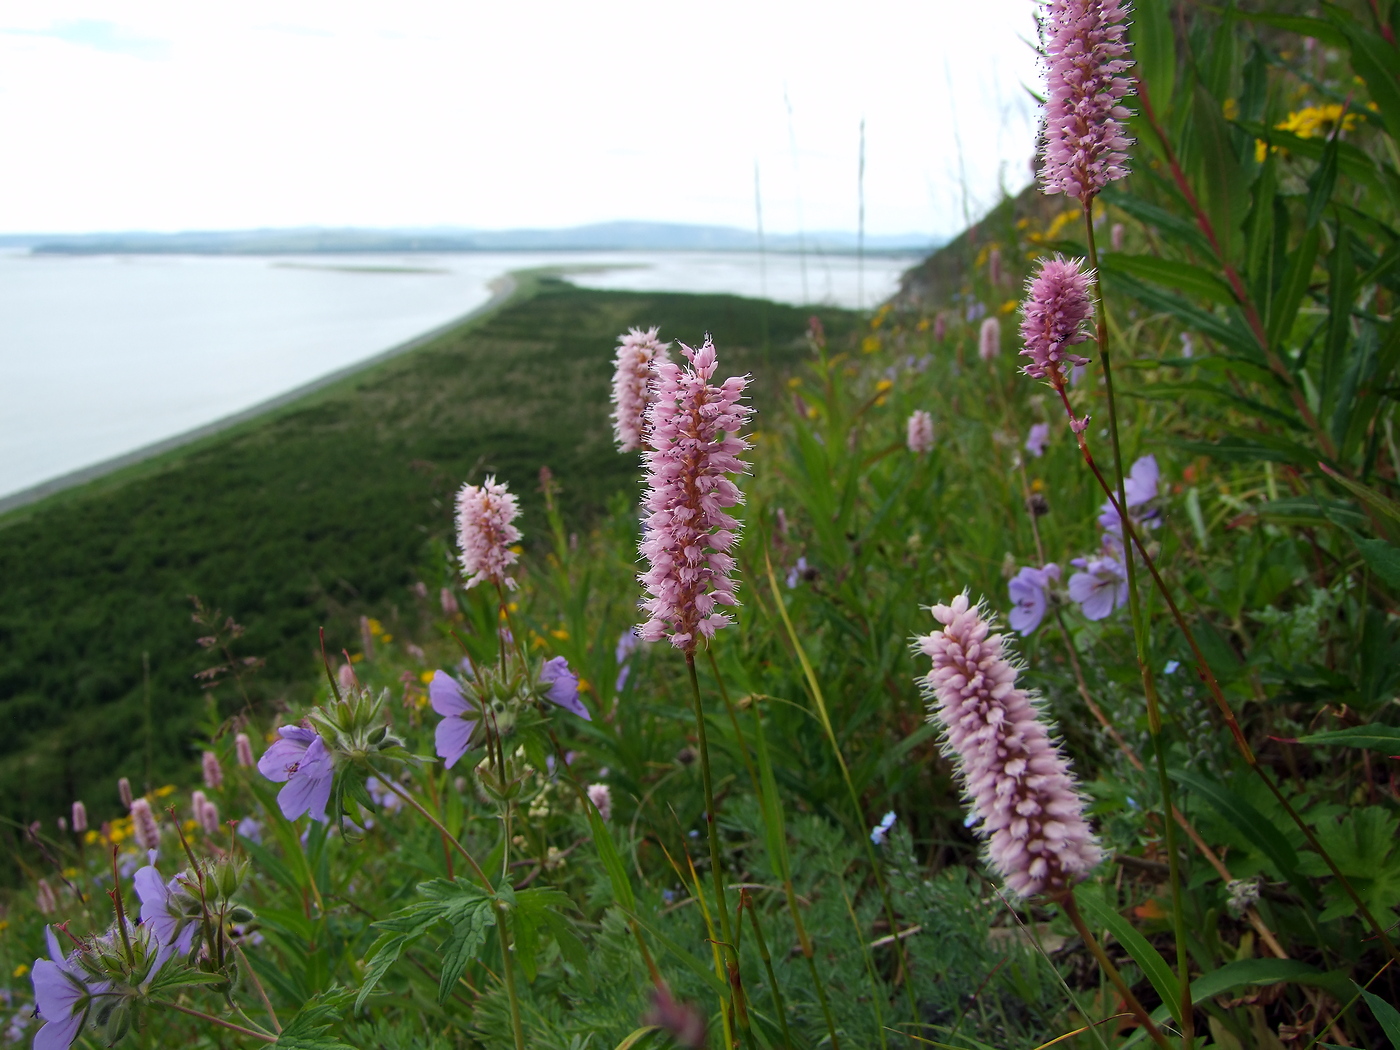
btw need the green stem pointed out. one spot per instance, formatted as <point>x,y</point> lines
<point>746,902</point>
<point>1067,902</point>
<point>393,786</point>
<point>1149,686</point>
<point>264,1036</point>
<point>508,967</point>
<point>736,991</point>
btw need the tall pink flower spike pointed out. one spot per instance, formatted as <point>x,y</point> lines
<point>1015,777</point>
<point>1053,317</point>
<point>485,532</point>
<point>638,353</point>
<point>1085,145</point>
<point>694,444</point>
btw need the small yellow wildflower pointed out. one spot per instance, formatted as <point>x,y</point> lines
<point>386,638</point>
<point>881,400</point>
<point>794,382</point>
<point>421,702</point>
<point>70,873</point>
<point>165,790</point>
<point>514,606</point>
<point>356,657</point>
<point>20,970</point>
<point>517,549</point>
<point>560,633</point>
<point>1231,109</point>
<point>4,925</point>
<point>812,412</point>
<point>883,385</point>
<point>923,325</point>
<point>1310,122</point>
<point>870,344</point>
<point>90,837</point>
<point>426,676</point>
<point>1037,485</point>
<point>1009,306</point>
<point>375,627</point>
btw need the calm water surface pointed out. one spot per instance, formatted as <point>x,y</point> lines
<point>103,355</point>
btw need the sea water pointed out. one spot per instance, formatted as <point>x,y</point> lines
<point>104,355</point>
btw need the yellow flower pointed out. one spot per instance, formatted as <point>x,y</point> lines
<point>387,638</point>
<point>163,791</point>
<point>4,925</point>
<point>421,702</point>
<point>375,627</point>
<point>1037,485</point>
<point>1231,109</point>
<point>881,400</point>
<point>812,412</point>
<point>870,343</point>
<point>70,873</point>
<point>20,970</point>
<point>426,676</point>
<point>923,325</point>
<point>90,837</point>
<point>1310,122</point>
<point>884,384</point>
<point>517,549</point>
<point>794,382</point>
<point>561,634</point>
<point>356,657</point>
<point>514,606</point>
<point>1009,306</point>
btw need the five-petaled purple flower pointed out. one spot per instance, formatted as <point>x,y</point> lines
<point>1140,487</point>
<point>1038,439</point>
<point>302,759</point>
<point>63,995</point>
<point>562,686</point>
<point>1029,597</point>
<point>173,931</point>
<point>1101,587</point>
<point>454,732</point>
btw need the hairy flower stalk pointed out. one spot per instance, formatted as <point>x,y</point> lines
<point>638,353</point>
<point>1085,144</point>
<point>694,446</point>
<point>485,533</point>
<point>1016,778</point>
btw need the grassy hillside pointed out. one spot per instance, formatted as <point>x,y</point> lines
<point>335,502</point>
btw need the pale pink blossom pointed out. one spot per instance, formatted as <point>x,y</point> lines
<point>213,772</point>
<point>940,327</point>
<point>80,823</point>
<point>1085,144</point>
<point>485,532</point>
<point>1116,235</point>
<point>1015,777</point>
<point>694,446</point>
<point>243,748</point>
<point>989,339</point>
<point>919,432</point>
<point>1053,318</point>
<point>638,353</point>
<point>601,797</point>
<point>143,825</point>
<point>209,818</point>
<point>124,791</point>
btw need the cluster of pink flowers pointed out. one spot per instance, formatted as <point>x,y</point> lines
<point>638,354</point>
<point>485,532</point>
<point>1053,316</point>
<point>1085,145</point>
<point>1016,778</point>
<point>989,339</point>
<point>919,432</point>
<point>694,445</point>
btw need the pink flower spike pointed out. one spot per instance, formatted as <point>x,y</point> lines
<point>1015,777</point>
<point>638,353</point>
<point>1085,144</point>
<point>694,446</point>
<point>989,339</point>
<point>1053,317</point>
<point>485,532</point>
<point>919,429</point>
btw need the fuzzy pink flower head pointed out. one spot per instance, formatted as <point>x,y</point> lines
<point>1015,776</point>
<point>213,772</point>
<point>485,532</point>
<point>1053,318</point>
<point>919,432</point>
<point>940,328</point>
<point>694,446</point>
<point>601,797</point>
<point>638,353</point>
<point>1085,144</point>
<point>243,748</point>
<point>989,339</point>
<point>80,823</point>
<point>143,825</point>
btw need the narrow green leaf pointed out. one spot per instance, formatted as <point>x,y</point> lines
<point>1387,1015</point>
<point>1193,280</point>
<point>1269,971</point>
<point>1369,496</point>
<point>1385,739</point>
<point>688,959</point>
<point>1289,299</point>
<point>1181,230</point>
<point>1098,913</point>
<point>1374,61</point>
<point>1154,49</point>
<point>771,803</point>
<point>1380,557</point>
<point>1253,825</point>
<point>1320,186</point>
<point>1226,194</point>
<point>382,954</point>
<point>636,1037</point>
<point>612,860</point>
<point>1300,24</point>
<point>1208,324</point>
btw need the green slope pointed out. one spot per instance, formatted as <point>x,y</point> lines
<point>322,511</point>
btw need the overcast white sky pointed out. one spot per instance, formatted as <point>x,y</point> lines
<point>211,115</point>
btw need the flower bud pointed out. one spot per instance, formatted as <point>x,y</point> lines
<point>209,818</point>
<point>124,790</point>
<point>80,823</point>
<point>213,772</point>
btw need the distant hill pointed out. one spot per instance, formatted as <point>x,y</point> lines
<point>607,236</point>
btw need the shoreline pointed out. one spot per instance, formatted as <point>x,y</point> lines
<point>503,289</point>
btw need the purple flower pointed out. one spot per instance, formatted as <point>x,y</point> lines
<point>796,573</point>
<point>989,339</point>
<point>627,644</point>
<point>1053,315</point>
<point>302,759</point>
<point>1038,439</point>
<point>1029,597</point>
<point>1016,779</point>
<point>919,432</point>
<point>1101,587</point>
<point>563,687</point>
<point>385,799</point>
<point>694,447</point>
<point>881,831</point>
<point>454,733</point>
<point>1140,487</point>
<point>63,996</point>
<point>172,930</point>
<point>1085,146</point>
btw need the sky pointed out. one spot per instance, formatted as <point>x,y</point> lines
<point>150,115</point>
